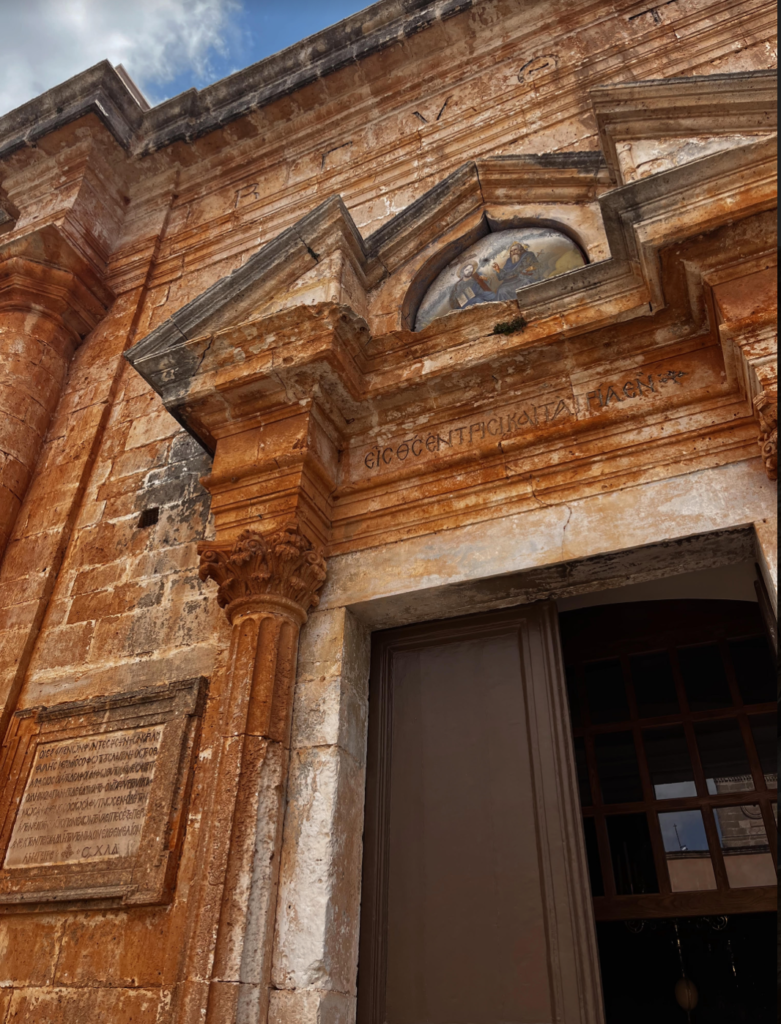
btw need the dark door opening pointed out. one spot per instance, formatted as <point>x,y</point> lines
<point>673,709</point>
<point>730,957</point>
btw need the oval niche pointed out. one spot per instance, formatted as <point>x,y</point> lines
<point>495,267</point>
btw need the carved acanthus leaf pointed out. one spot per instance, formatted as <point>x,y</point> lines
<point>283,563</point>
<point>767,409</point>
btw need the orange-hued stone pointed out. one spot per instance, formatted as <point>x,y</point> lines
<point>258,252</point>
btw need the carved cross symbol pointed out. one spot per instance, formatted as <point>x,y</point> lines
<point>671,377</point>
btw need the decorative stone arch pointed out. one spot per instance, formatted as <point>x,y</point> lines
<point>488,224</point>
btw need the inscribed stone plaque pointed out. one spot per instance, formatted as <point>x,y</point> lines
<point>85,799</point>
<point>94,797</point>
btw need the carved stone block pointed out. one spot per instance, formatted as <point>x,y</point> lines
<point>94,805</point>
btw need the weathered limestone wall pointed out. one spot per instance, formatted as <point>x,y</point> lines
<point>93,603</point>
<point>663,529</point>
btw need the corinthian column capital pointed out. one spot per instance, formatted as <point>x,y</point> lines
<point>283,566</point>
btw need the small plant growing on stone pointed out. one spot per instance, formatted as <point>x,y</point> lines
<point>509,326</point>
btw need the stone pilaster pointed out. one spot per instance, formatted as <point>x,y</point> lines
<point>267,583</point>
<point>49,300</point>
<point>766,406</point>
<point>751,345</point>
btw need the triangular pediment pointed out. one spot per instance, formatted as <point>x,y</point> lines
<point>321,271</point>
<point>301,261</point>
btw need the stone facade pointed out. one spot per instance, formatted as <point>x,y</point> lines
<point>209,374</point>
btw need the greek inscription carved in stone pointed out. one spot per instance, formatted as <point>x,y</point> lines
<point>521,418</point>
<point>85,799</point>
<point>249,191</point>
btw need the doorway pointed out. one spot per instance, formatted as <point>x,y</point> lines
<point>677,796</point>
<point>673,714</point>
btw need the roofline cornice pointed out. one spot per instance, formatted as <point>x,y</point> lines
<point>101,91</point>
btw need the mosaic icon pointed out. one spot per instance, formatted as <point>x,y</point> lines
<point>495,267</point>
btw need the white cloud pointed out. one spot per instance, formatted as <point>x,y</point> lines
<point>45,42</point>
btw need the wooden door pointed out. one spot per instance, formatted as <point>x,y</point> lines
<point>475,904</point>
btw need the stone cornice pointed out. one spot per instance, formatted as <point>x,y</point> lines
<point>640,218</point>
<point>101,90</point>
<point>739,104</point>
<point>564,177</point>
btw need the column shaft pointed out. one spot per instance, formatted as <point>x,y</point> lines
<point>267,582</point>
<point>263,656</point>
<point>35,351</point>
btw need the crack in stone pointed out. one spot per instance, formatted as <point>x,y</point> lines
<point>205,351</point>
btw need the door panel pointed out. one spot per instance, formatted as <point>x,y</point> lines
<point>464,897</point>
<point>475,903</point>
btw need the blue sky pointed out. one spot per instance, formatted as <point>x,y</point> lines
<point>260,28</point>
<point>166,46</point>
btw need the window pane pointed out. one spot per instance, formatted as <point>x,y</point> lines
<point>572,696</point>
<point>765,731</point>
<point>723,755</point>
<point>704,677</point>
<point>652,676</point>
<point>753,669</point>
<point>605,690</point>
<point>631,853</point>
<point>744,844</point>
<point>592,854</point>
<point>619,776</point>
<point>581,764</point>
<point>686,849</point>
<point>669,763</point>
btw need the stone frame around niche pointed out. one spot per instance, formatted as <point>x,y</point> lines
<point>148,875</point>
<point>500,218</point>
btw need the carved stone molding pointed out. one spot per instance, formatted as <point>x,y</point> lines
<point>283,564</point>
<point>766,407</point>
<point>43,272</point>
<point>8,213</point>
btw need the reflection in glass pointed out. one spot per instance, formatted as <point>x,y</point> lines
<point>669,763</point>
<point>764,728</point>
<point>605,691</point>
<point>686,849</point>
<point>581,764</point>
<point>744,844</point>
<point>753,669</point>
<point>619,776</point>
<point>654,684</point>
<point>704,677</point>
<point>592,855</point>
<point>631,854</point>
<point>723,755</point>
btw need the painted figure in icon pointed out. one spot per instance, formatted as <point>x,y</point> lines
<point>495,267</point>
<point>470,287</point>
<point>520,268</point>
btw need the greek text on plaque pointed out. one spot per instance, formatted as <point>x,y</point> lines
<point>85,799</point>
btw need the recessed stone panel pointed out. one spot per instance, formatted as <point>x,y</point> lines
<point>85,799</point>
<point>93,806</point>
